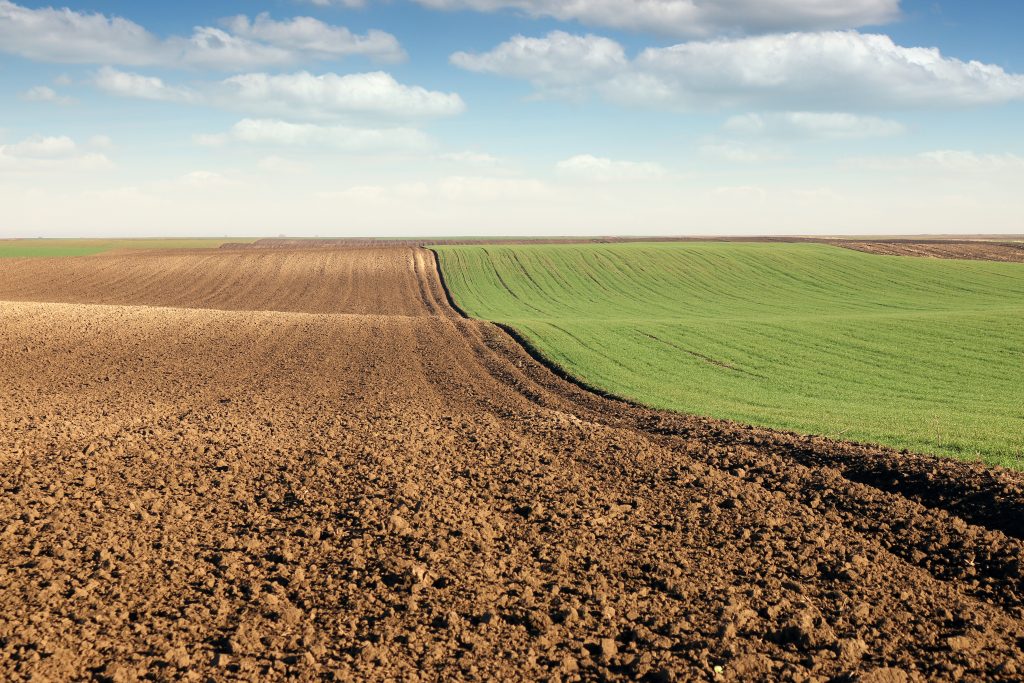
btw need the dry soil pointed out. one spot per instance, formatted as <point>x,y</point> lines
<point>287,463</point>
<point>974,250</point>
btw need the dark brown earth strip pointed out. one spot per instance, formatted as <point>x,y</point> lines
<point>974,250</point>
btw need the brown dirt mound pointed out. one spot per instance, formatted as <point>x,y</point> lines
<point>335,477</point>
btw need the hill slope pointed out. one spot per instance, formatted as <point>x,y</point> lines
<point>914,353</point>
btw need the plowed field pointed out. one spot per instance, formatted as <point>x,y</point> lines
<point>285,463</point>
<point>945,249</point>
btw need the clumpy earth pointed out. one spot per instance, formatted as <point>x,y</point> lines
<point>303,463</point>
<point>974,250</point>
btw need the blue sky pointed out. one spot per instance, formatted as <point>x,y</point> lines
<point>446,117</point>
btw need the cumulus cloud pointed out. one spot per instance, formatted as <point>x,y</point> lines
<point>331,95</point>
<point>41,147</point>
<point>689,18</point>
<point>826,71</point>
<point>600,169</point>
<point>820,68</point>
<point>560,63</point>
<point>275,133</point>
<point>40,153</point>
<point>67,36</point>
<point>63,35</point>
<point>309,35</point>
<point>813,125</point>
<point>299,95</point>
<point>214,48</point>
<point>43,93</point>
<point>126,84</point>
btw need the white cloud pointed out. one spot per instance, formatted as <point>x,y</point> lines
<point>471,158</point>
<point>299,95</point>
<point>697,17</point>
<point>67,36</point>
<point>600,169</point>
<point>270,132</point>
<point>42,93</point>
<point>808,71</point>
<point>946,160</point>
<point>813,125</point>
<point>560,63</point>
<point>41,153</point>
<point>970,161</point>
<point>125,84</point>
<point>40,147</point>
<point>330,95</point>
<point>309,35</point>
<point>63,35</point>
<point>213,48</point>
<point>822,68</point>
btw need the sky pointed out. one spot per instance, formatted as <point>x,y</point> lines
<point>510,117</point>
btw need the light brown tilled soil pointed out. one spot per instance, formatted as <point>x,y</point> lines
<point>946,249</point>
<point>305,464</point>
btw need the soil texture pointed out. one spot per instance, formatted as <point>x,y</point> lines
<point>262,464</point>
<point>974,250</point>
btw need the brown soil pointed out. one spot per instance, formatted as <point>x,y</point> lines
<point>277,463</point>
<point>974,250</point>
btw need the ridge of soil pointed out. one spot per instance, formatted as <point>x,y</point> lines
<point>304,463</point>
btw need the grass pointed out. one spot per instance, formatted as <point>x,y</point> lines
<point>51,248</point>
<point>923,354</point>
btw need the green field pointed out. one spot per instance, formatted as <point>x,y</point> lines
<point>43,248</point>
<point>922,354</point>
